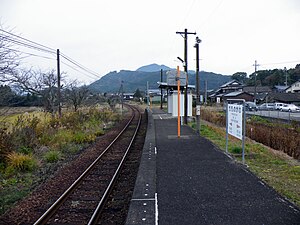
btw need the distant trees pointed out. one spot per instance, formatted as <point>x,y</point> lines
<point>269,77</point>
<point>137,94</point>
<point>240,76</point>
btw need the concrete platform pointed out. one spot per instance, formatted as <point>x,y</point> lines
<point>190,181</point>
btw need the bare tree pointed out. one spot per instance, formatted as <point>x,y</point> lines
<point>9,58</point>
<point>75,94</point>
<point>42,84</point>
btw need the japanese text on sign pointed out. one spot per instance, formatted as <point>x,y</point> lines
<point>235,120</point>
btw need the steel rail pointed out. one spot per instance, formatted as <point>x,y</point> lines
<point>53,208</point>
<point>100,206</point>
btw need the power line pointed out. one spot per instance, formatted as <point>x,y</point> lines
<point>29,54</point>
<point>18,40</point>
<point>24,44</point>
<point>51,49</point>
<point>80,66</point>
<point>77,70</point>
<point>278,63</point>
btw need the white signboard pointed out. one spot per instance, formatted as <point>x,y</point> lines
<point>171,78</point>
<point>235,120</point>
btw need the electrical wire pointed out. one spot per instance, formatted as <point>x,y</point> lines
<point>29,54</point>
<point>77,70</point>
<point>278,63</point>
<point>80,66</point>
<point>18,40</point>
<point>17,36</point>
<point>24,44</point>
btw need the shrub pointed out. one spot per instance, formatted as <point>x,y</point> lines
<point>25,150</point>
<point>80,138</point>
<point>236,150</point>
<point>52,156</point>
<point>22,162</point>
<point>6,145</point>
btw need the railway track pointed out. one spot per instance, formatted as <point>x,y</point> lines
<point>84,200</point>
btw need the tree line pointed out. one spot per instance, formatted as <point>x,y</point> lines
<point>269,77</point>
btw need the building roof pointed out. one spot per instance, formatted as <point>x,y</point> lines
<point>285,97</point>
<point>164,85</point>
<point>259,89</point>
<point>230,83</point>
<point>234,94</point>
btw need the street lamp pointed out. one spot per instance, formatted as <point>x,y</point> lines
<point>198,41</point>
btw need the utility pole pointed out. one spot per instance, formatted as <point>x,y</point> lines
<point>148,102</point>
<point>58,84</point>
<point>285,72</point>
<point>185,32</point>
<point>122,95</point>
<point>205,92</point>
<point>255,68</point>
<point>197,85</point>
<point>161,90</point>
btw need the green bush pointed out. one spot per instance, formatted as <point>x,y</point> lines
<point>236,150</point>
<point>25,150</point>
<point>52,156</point>
<point>80,138</point>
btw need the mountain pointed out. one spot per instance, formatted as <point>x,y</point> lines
<point>153,68</point>
<point>132,80</point>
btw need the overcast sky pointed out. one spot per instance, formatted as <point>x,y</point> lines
<point>108,35</point>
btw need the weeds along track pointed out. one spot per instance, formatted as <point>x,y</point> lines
<point>84,200</point>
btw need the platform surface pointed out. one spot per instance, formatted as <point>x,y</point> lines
<point>193,182</point>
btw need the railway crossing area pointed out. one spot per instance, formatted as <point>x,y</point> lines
<point>190,181</point>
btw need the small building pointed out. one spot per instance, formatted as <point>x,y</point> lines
<point>231,86</point>
<point>294,88</point>
<point>279,88</point>
<point>128,96</point>
<point>171,87</point>
<point>289,98</point>
<point>261,91</point>
<point>239,95</point>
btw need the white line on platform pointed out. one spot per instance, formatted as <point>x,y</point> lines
<point>156,210</point>
<point>143,199</point>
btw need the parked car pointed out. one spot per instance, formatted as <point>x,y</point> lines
<point>267,106</point>
<point>278,105</point>
<point>250,106</point>
<point>290,108</point>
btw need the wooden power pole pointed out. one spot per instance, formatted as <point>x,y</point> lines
<point>185,36</point>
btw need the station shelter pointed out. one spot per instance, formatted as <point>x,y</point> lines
<point>172,93</point>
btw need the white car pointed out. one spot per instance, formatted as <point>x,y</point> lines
<point>290,108</point>
<point>278,105</point>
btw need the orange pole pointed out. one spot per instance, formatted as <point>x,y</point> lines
<point>178,95</point>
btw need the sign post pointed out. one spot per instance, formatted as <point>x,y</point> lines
<point>236,122</point>
<point>178,97</point>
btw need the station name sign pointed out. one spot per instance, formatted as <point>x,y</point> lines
<point>235,120</point>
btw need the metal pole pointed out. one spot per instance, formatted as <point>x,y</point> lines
<point>244,132</point>
<point>161,90</point>
<point>148,95</point>
<point>226,127</point>
<point>178,98</point>
<point>58,84</point>
<point>197,86</point>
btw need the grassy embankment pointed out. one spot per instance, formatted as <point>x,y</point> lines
<point>33,143</point>
<point>277,169</point>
